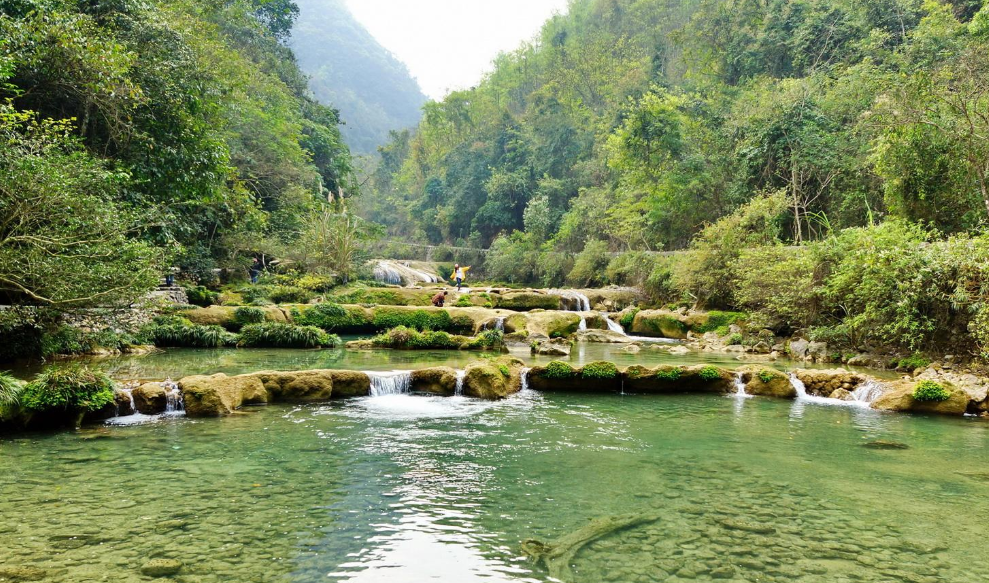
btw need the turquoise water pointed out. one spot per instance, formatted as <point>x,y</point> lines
<point>416,489</point>
<point>180,362</point>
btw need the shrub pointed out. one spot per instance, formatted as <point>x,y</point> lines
<point>631,268</point>
<point>710,373</point>
<point>780,284</point>
<point>177,332</point>
<point>327,316</point>
<point>464,302</point>
<point>718,321</point>
<point>73,388</point>
<point>253,294</point>
<point>405,337</point>
<point>286,294</point>
<point>559,370</point>
<point>278,335</point>
<point>315,283</point>
<point>246,315</point>
<point>672,374</point>
<point>930,391</point>
<point>385,318</point>
<point>735,340</point>
<point>10,393</point>
<point>599,370</point>
<point>202,297</point>
<point>487,339</point>
<point>766,376</point>
<point>912,363</point>
<point>628,318</point>
<point>66,340</point>
<point>505,371</point>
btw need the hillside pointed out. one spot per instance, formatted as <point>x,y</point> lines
<point>353,73</point>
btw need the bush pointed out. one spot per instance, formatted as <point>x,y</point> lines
<point>246,315</point>
<point>735,340</point>
<point>912,363</point>
<point>559,370</point>
<point>286,294</point>
<point>599,370</point>
<point>10,393</point>
<point>327,316</point>
<point>73,388</point>
<point>710,373</point>
<point>766,376</point>
<point>69,341</point>
<point>672,374</point>
<point>278,335</point>
<point>315,283</point>
<point>632,268</point>
<point>202,297</point>
<point>930,392</point>
<point>590,265</point>
<point>177,332</point>
<point>253,294</point>
<point>403,337</point>
<point>487,339</point>
<point>419,319</point>
<point>464,302</point>
<point>781,284</point>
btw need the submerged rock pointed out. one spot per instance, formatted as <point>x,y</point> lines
<point>14,573</point>
<point>883,444</point>
<point>842,395</point>
<point>161,568</point>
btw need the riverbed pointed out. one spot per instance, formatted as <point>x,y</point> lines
<point>415,489</point>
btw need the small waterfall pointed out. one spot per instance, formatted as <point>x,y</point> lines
<point>500,324</point>
<point>459,390</point>
<point>868,392</point>
<point>614,326</point>
<point>583,324</point>
<point>391,383</point>
<point>740,387</point>
<point>525,379</point>
<point>799,386</point>
<point>582,302</point>
<point>129,391</point>
<point>173,398</point>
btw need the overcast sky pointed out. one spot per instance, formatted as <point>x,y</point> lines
<point>449,44</point>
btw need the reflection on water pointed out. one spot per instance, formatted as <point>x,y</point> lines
<point>402,488</point>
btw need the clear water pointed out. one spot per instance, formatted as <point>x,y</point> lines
<point>176,363</point>
<point>414,489</point>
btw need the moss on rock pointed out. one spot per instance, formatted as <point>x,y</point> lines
<point>440,380</point>
<point>660,324</point>
<point>218,395</point>
<point>767,382</point>
<point>526,301</point>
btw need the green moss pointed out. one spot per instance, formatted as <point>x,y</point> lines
<point>559,370</point>
<point>285,294</point>
<point>69,341</point>
<point>385,318</point>
<point>464,302</point>
<point>72,388</point>
<point>403,337</point>
<point>599,370</point>
<point>720,320</point>
<point>766,376</point>
<point>913,362</point>
<point>202,297</point>
<point>930,391</point>
<point>504,370</point>
<point>672,374</point>
<point>487,339</point>
<point>735,340</point>
<point>710,373</point>
<point>629,318</point>
<point>277,335</point>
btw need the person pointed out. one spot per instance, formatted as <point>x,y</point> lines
<point>255,270</point>
<point>170,277</point>
<point>440,299</point>
<point>459,274</point>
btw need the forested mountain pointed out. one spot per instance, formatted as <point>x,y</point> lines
<point>140,132</point>
<point>633,123</point>
<point>352,72</point>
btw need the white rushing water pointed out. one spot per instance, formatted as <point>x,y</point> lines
<point>864,395</point>
<point>614,326</point>
<point>174,405</point>
<point>396,273</point>
<point>459,390</point>
<point>740,387</point>
<point>390,383</point>
<point>500,324</point>
<point>583,324</point>
<point>582,302</point>
<point>525,379</point>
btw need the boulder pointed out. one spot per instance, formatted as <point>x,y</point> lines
<point>602,337</point>
<point>767,382</point>
<point>798,348</point>
<point>525,301</point>
<point>122,403</point>
<point>900,398</point>
<point>551,324</point>
<point>218,395</point>
<point>824,382</point>
<point>150,399</point>
<point>161,568</point>
<point>226,316</point>
<point>660,324</point>
<point>818,352</point>
<point>492,380</point>
<point>552,347</point>
<point>438,380</point>
<point>594,320</point>
<point>976,387</point>
<point>632,349</point>
<point>842,395</point>
<point>555,376</point>
<point>303,386</point>
<point>867,360</point>
<point>677,379</point>
<point>348,383</point>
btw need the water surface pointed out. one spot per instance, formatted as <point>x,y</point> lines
<point>416,489</point>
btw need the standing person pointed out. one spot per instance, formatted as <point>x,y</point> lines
<point>255,270</point>
<point>459,274</point>
<point>440,299</point>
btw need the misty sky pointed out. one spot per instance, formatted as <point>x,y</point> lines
<point>449,44</point>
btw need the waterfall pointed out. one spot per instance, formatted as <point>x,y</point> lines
<point>583,303</point>
<point>799,386</point>
<point>583,324</point>
<point>398,274</point>
<point>525,379</point>
<point>868,392</point>
<point>614,326</point>
<point>500,324</point>
<point>740,387</point>
<point>459,390</point>
<point>173,398</point>
<point>390,383</point>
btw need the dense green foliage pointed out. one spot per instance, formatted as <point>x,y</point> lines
<point>930,391</point>
<point>402,337</point>
<point>248,315</point>
<point>350,70</point>
<point>599,370</point>
<point>278,335</point>
<point>135,132</point>
<point>177,332</point>
<point>200,296</point>
<point>10,394</point>
<point>559,370</point>
<point>710,373</point>
<point>629,125</point>
<point>73,388</point>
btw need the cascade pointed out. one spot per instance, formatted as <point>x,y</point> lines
<point>390,383</point>
<point>582,302</point>
<point>614,326</point>
<point>173,398</point>
<point>459,390</point>
<point>868,392</point>
<point>525,379</point>
<point>740,387</point>
<point>500,324</point>
<point>583,324</point>
<point>799,386</point>
<point>864,395</point>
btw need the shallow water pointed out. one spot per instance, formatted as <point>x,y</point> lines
<point>180,362</point>
<point>415,489</point>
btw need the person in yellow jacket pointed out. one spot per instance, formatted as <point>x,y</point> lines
<point>459,275</point>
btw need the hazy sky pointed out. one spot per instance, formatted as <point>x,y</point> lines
<point>449,44</point>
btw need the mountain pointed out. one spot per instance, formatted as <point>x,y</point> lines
<point>352,72</point>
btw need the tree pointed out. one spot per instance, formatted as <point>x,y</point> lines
<point>64,242</point>
<point>332,243</point>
